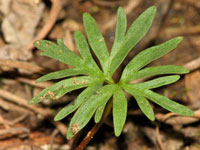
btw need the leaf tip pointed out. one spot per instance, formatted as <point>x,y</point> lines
<point>59,41</point>
<point>86,15</point>
<point>152,118</point>
<point>117,133</point>
<point>120,9</point>
<point>38,80</point>
<point>180,38</point>
<point>31,102</point>
<point>69,136</point>
<point>177,77</point>
<point>56,118</point>
<point>36,43</point>
<point>153,9</point>
<point>189,113</point>
<point>187,70</point>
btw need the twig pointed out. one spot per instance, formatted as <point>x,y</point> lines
<point>168,115</point>
<point>32,82</point>
<point>21,64</point>
<point>193,65</point>
<point>107,3</point>
<point>7,123</point>
<point>54,133</point>
<point>55,9</point>
<point>197,113</point>
<point>175,119</point>
<point>160,143</point>
<point>177,31</point>
<point>22,102</point>
<point>42,111</point>
<point>162,11</point>
<point>96,127</point>
<point>18,144</point>
<point>9,132</point>
<point>128,8</point>
<point>60,126</point>
<point>190,2</point>
<point>10,106</point>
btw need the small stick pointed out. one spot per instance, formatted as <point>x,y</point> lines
<point>128,9</point>
<point>32,82</point>
<point>22,102</point>
<point>107,3</point>
<point>96,127</point>
<point>21,64</point>
<point>193,65</point>
<point>55,9</point>
<point>160,143</point>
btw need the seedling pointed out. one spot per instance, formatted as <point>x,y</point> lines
<point>100,88</point>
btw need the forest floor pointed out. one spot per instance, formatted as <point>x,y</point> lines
<point>31,127</point>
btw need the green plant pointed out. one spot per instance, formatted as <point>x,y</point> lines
<point>101,88</point>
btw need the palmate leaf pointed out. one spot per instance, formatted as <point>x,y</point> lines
<point>120,31</point>
<point>160,100</point>
<point>81,99</point>
<point>86,111</point>
<point>167,103</point>
<point>84,50</point>
<point>155,83</point>
<point>100,87</point>
<point>59,52</point>
<point>96,40</point>
<point>159,70</point>
<point>135,33</point>
<point>58,89</point>
<point>65,73</point>
<point>143,104</point>
<point>99,112</point>
<point>119,110</point>
<point>147,56</point>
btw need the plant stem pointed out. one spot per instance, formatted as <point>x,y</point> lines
<point>95,128</point>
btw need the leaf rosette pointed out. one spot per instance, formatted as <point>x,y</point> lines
<point>99,86</point>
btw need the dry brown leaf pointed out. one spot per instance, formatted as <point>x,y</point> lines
<point>18,26</point>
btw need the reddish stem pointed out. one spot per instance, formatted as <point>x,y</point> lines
<point>96,127</point>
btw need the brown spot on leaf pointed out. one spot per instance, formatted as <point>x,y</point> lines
<point>75,81</point>
<point>48,93</point>
<point>75,128</point>
<point>84,82</point>
<point>48,43</point>
<point>38,42</point>
<point>101,40</point>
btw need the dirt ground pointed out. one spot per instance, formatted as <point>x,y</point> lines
<point>31,127</point>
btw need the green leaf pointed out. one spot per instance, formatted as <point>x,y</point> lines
<point>84,50</point>
<point>81,99</point>
<point>168,104</point>
<point>59,89</point>
<point>86,110</point>
<point>159,70</point>
<point>96,39</point>
<point>99,112</point>
<point>59,52</point>
<point>155,83</point>
<point>135,33</point>
<point>120,30</point>
<point>147,56</point>
<point>119,111</point>
<point>145,106</point>
<point>63,74</point>
<point>142,103</point>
